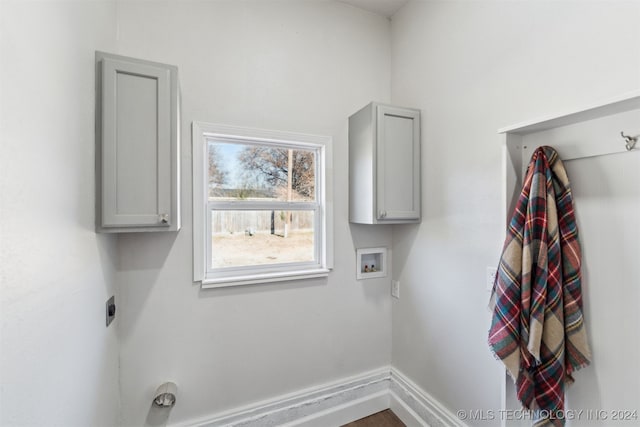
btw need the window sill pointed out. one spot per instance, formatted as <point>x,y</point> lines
<point>254,279</point>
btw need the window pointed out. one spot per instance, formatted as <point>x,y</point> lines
<point>259,205</point>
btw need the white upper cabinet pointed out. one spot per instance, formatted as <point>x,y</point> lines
<point>137,150</point>
<point>384,165</point>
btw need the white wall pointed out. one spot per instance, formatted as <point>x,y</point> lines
<point>473,67</point>
<point>301,66</point>
<point>607,205</point>
<point>58,361</point>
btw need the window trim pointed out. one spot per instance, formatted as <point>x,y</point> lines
<point>201,132</point>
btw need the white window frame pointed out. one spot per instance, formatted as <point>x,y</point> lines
<point>323,207</point>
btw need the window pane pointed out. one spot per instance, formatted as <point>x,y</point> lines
<point>260,172</point>
<point>245,238</point>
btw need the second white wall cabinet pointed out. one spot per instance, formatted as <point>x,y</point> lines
<point>384,165</point>
<point>137,150</point>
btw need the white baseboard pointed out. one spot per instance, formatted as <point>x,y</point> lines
<point>345,413</point>
<point>341,400</point>
<point>418,406</point>
<point>340,403</point>
<point>407,415</point>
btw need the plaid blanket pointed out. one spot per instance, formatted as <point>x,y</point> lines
<point>537,328</point>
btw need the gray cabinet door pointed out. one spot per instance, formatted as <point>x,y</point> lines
<point>398,164</point>
<point>137,150</point>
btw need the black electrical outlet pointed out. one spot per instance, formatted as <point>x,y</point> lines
<point>111,310</point>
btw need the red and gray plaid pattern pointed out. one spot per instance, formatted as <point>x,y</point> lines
<point>537,328</point>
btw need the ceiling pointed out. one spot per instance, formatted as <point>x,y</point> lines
<point>381,7</point>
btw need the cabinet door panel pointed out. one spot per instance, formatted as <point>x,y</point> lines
<point>398,162</point>
<point>136,147</point>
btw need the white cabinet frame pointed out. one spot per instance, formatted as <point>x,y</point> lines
<point>384,165</point>
<point>137,145</point>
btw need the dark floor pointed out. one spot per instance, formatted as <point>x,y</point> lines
<point>385,418</point>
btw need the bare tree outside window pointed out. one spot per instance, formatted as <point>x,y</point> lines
<point>272,166</point>
<point>217,175</point>
<point>282,180</point>
<point>286,170</point>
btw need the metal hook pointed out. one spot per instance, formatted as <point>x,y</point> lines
<point>629,140</point>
